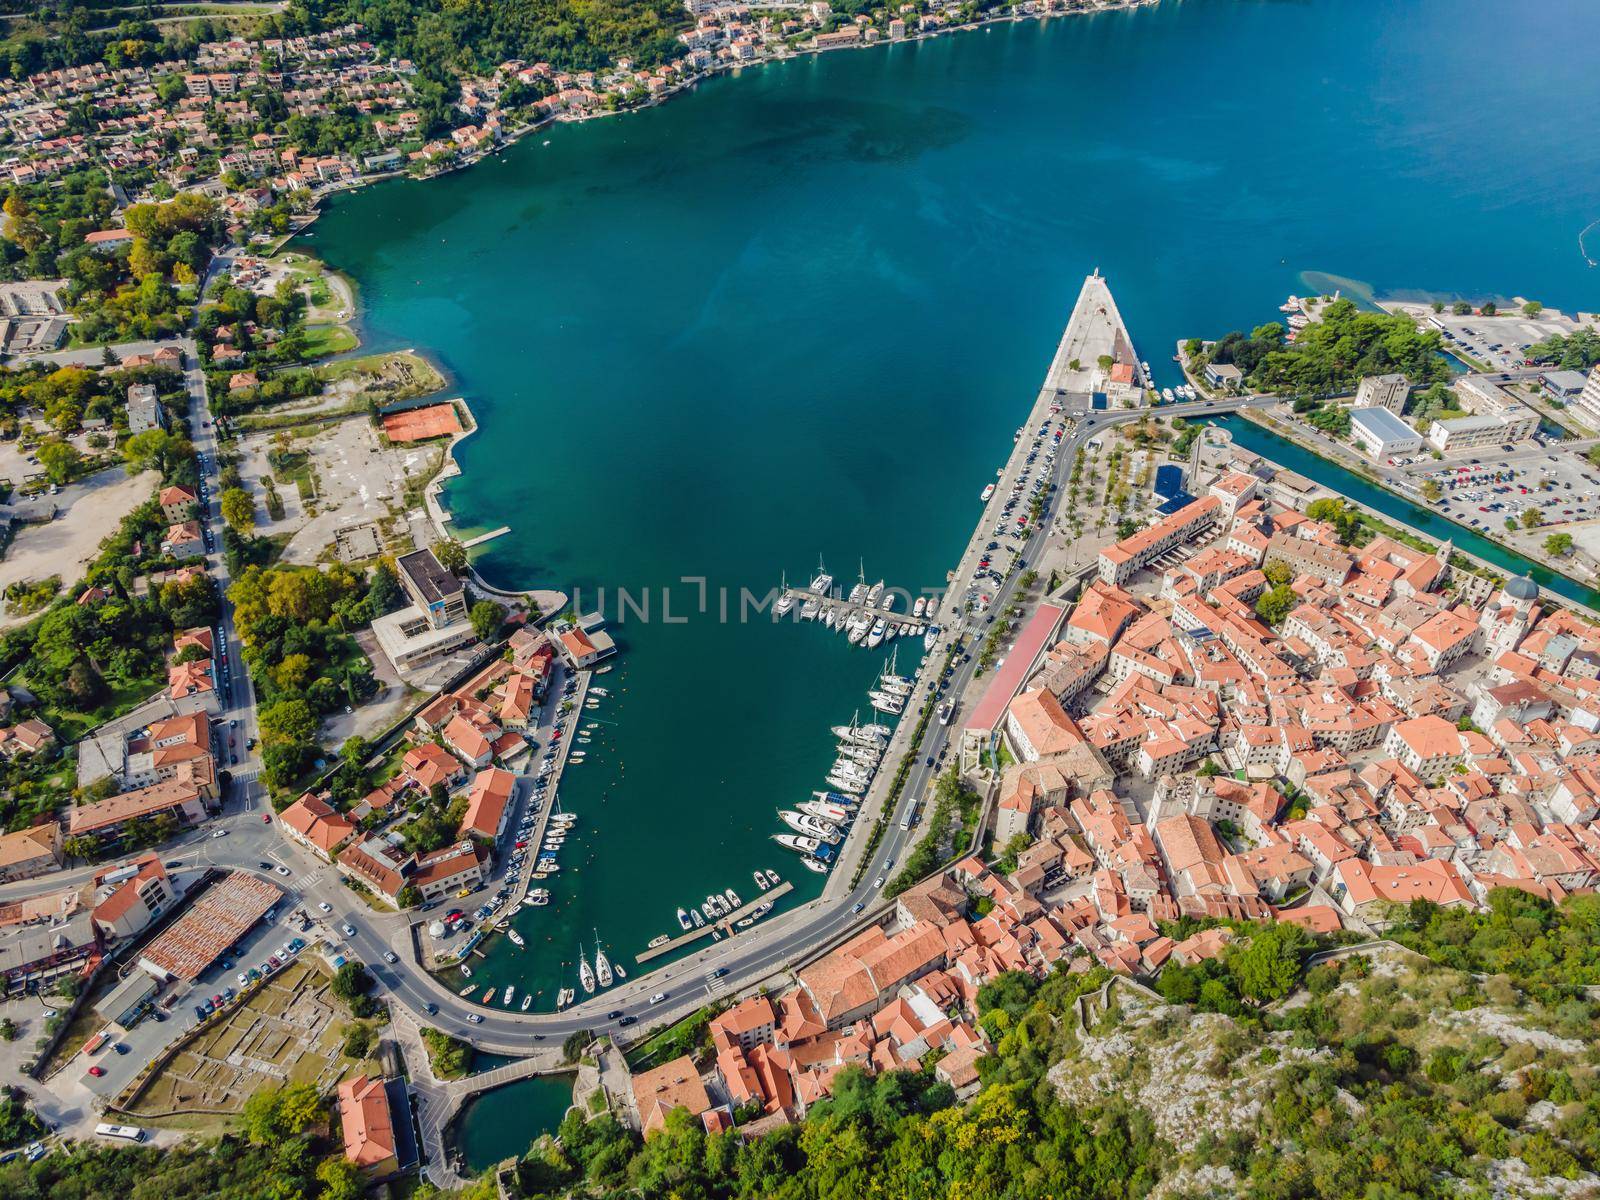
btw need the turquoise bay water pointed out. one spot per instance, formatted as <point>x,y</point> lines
<point>802,310</point>
<point>538,1104</point>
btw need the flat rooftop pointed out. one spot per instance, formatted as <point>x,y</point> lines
<point>1382,423</point>
<point>430,579</point>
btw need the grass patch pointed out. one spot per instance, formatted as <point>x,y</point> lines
<point>680,1038</point>
<point>324,340</point>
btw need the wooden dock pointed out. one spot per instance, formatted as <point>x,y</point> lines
<point>486,537</point>
<point>726,924</point>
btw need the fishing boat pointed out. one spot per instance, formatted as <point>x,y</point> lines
<point>812,864</point>
<point>602,964</point>
<point>661,939</point>
<point>683,919</point>
<point>509,993</point>
<point>464,991</point>
<point>515,939</point>
<point>564,997</point>
<point>875,638</point>
<point>761,879</point>
<point>793,841</point>
<point>526,1001</point>
<point>488,997</point>
<point>823,581</point>
<point>733,898</point>
<point>585,972</point>
<point>699,921</point>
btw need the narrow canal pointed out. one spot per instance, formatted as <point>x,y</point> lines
<point>1252,437</point>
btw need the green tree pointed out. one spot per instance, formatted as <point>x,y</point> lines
<point>59,459</point>
<point>1277,572</point>
<point>1268,965</point>
<point>1558,544</point>
<point>486,617</point>
<point>1531,518</point>
<point>1276,603</point>
<point>1431,491</point>
<point>239,510</point>
<point>452,555</point>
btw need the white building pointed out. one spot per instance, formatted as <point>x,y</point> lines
<point>1380,433</point>
<point>1470,433</point>
<point>1588,401</point>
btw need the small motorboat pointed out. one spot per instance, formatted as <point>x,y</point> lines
<point>510,994</point>
<point>526,1001</point>
<point>761,879</point>
<point>488,996</point>
<point>466,990</point>
<point>564,997</point>
<point>466,970</point>
<point>683,919</point>
<point>516,939</point>
<point>659,940</point>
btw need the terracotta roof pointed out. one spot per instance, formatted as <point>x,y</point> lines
<point>367,1122</point>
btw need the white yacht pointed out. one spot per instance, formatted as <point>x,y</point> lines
<point>772,879</point>
<point>920,606</point>
<point>602,964</point>
<point>585,972</point>
<point>829,617</point>
<point>887,702</point>
<point>785,599</point>
<point>809,610</point>
<point>509,993</point>
<point>811,864</point>
<point>855,629</point>
<point>683,919</point>
<point>808,825</point>
<point>873,593</point>
<point>732,898</point>
<point>823,811</point>
<point>761,876</point>
<point>929,638</point>
<point>699,921</point>
<point>1166,394</point>
<point>823,581</point>
<point>850,787</point>
<point>793,841</point>
<point>986,493</point>
<point>860,588</point>
<point>888,602</point>
<point>875,638</point>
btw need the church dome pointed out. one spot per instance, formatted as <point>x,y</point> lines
<point>1521,588</point>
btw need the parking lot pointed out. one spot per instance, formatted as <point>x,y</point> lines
<point>1011,530</point>
<point>1486,493</point>
<point>1499,341</point>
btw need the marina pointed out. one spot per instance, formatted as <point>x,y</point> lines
<point>868,615</point>
<point>725,924</point>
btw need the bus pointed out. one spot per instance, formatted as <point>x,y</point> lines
<point>126,1133</point>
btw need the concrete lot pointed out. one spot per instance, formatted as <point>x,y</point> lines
<point>357,480</point>
<point>87,511</point>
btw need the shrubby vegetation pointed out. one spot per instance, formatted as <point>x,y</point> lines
<point>1330,356</point>
<point>295,623</point>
